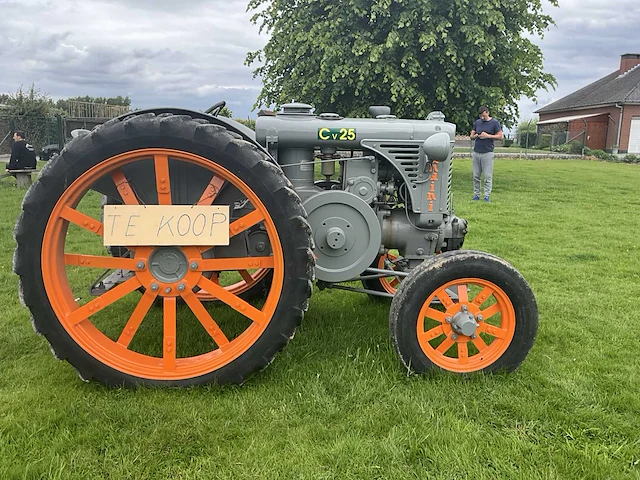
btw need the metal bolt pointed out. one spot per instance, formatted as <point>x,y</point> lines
<point>181,287</point>
<point>193,265</point>
<point>480,318</point>
<point>140,265</point>
<point>448,319</point>
<point>420,251</point>
<point>261,247</point>
<point>167,290</point>
<point>464,308</point>
<point>154,287</point>
<point>474,336</point>
<point>454,336</point>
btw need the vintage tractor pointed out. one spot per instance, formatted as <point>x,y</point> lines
<point>172,247</point>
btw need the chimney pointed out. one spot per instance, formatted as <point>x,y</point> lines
<point>628,61</point>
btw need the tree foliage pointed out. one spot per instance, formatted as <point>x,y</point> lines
<point>119,100</point>
<point>414,55</point>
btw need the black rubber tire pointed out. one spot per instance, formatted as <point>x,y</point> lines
<point>432,274</point>
<point>214,142</point>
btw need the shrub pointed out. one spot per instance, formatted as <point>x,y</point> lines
<point>532,136</point>
<point>507,142</point>
<point>545,141</point>
<point>631,158</point>
<point>602,155</point>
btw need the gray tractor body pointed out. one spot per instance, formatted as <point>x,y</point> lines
<point>392,189</point>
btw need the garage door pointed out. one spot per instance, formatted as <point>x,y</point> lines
<point>634,136</point>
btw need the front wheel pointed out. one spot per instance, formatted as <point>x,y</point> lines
<point>490,325</point>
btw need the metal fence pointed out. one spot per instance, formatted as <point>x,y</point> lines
<point>39,131</point>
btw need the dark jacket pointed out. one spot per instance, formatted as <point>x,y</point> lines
<point>22,156</point>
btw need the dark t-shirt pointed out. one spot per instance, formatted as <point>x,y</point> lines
<point>492,126</point>
<point>22,156</point>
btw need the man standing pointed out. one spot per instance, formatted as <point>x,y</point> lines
<point>485,131</point>
<point>22,154</point>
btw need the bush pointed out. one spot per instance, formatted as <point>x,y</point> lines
<point>602,155</point>
<point>545,141</point>
<point>631,158</point>
<point>507,142</point>
<point>531,136</point>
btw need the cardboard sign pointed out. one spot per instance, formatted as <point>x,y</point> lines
<point>132,225</point>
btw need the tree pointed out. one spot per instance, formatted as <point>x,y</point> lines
<point>119,100</point>
<point>31,112</point>
<point>414,55</point>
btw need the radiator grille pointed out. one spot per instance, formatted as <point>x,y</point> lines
<point>406,156</point>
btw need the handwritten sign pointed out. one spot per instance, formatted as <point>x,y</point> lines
<point>166,225</point>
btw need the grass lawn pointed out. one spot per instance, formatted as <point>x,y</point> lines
<point>513,149</point>
<point>336,402</point>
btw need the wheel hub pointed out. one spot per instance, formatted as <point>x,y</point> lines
<point>168,264</point>
<point>464,323</point>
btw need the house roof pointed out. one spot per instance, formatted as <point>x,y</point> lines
<point>614,88</point>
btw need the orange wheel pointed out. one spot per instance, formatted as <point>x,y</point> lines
<point>463,312</point>
<point>122,337</point>
<point>383,284</point>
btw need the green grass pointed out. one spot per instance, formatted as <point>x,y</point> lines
<point>336,402</point>
<point>512,149</point>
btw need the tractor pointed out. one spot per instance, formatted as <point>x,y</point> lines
<point>170,247</point>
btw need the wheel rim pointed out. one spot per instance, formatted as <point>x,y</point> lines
<point>164,362</point>
<point>446,331</point>
<point>390,284</point>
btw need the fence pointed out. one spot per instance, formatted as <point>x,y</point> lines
<point>39,130</point>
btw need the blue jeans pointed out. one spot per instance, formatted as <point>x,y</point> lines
<point>482,164</point>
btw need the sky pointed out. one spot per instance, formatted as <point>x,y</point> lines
<point>191,54</point>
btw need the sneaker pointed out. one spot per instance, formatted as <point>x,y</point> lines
<point>486,199</point>
<point>476,197</point>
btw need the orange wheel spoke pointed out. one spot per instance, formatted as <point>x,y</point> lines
<point>431,334</point>
<point>169,335</point>
<point>204,318</point>
<point>491,311</point>
<point>82,220</point>
<point>436,314</point>
<point>394,283</point>
<point>124,189</point>
<point>163,183</point>
<point>493,331</point>
<point>136,317</point>
<point>462,294</point>
<point>241,263</point>
<point>444,298</point>
<point>97,261</point>
<point>482,296</point>
<point>445,345</point>
<point>211,192</point>
<point>463,353</point>
<point>233,301</point>
<point>479,343</point>
<point>249,220</point>
<point>94,306</point>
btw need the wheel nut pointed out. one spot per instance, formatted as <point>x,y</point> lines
<point>464,308</point>
<point>474,336</point>
<point>448,319</point>
<point>154,287</point>
<point>167,290</point>
<point>193,265</point>
<point>140,265</point>
<point>454,336</point>
<point>181,287</point>
<point>480,318</point>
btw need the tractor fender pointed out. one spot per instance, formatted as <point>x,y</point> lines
<point>230,124</point>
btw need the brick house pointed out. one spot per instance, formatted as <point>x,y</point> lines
<point>604,115</point>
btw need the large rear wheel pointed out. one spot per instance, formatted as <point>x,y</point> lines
<point>463,311</point>
<point>152,327</point>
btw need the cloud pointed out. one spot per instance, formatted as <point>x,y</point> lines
<point>191,54</point>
